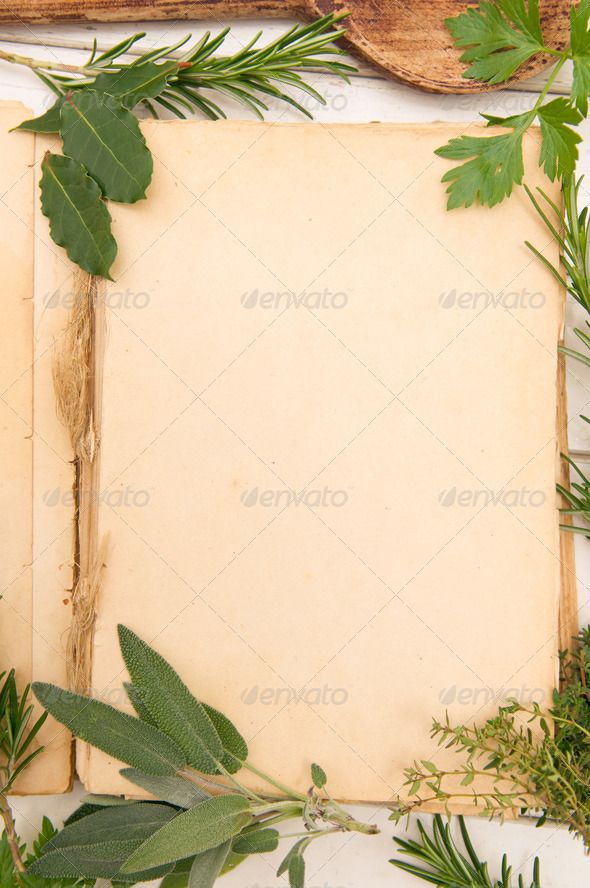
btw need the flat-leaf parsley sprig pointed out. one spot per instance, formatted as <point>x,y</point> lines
<point>498,38</point>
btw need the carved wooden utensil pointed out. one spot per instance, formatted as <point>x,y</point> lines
<point>406,38</point>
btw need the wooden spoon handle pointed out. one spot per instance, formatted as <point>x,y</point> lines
<point>49,11</point>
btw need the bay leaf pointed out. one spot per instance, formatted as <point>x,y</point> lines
<point>105,137</point>
<point>78,217</point>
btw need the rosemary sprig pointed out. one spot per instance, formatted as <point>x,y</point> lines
<point>570,229</point>
<point>18,730</point>
<point>243,76</point>
<point>440,861</point>
<point>105,156</point>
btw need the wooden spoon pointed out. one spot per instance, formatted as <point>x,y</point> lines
<point>406,38</point>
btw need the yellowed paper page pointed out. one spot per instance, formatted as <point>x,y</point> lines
<point>328,444</point>
<point>32,598</point>
<point>16,401</point>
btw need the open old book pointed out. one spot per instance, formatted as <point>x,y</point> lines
<point>311,446</point>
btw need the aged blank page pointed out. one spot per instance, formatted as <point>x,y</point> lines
<point>328,447</point>
<point>37,475</point>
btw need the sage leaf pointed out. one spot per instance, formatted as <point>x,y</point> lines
<point>297,871</point>
<point>318,776</point>
<point>234,745</point>
<point>205,826</point>
<point>173,707</point>
<point>136,701</point>
<point>256,841</point>
<point>48,122</point>
<point>174,790</point>
<point>178,878</point>
<point>97,845</point>
<point>78,217</point>
<point>100,133</point>
<point>82,811</point>
<point>232,861</point>
<point>141,81</point>
<point>124,737</point>
<point>207,866</point>
<point>106,801</point>
<point>296,851</point>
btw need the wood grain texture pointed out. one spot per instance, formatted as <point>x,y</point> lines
<point>408,40</point>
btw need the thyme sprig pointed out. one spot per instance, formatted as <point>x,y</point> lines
<point>524,757</point>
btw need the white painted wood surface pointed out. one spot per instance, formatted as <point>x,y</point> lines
<point>357,861</point>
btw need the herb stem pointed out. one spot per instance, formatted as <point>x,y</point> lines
<point>9,826</point>
<point>564,56</point>
<point>288,791</point>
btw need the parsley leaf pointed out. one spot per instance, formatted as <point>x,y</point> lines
<point>493,164</point>
<point>500,37</point>
<point>580,54</point>
<point>559,151</point>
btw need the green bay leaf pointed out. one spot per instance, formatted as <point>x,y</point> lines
<point>78,217</point>
<point>105,137</point>
<point>48,122</point>
<point>205,826</point>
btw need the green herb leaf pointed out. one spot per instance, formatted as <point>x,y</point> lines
<point>296,851</point>
<point>318,776</point>
<point>205,826</point>
<point>48,122</point>
<point>235,748</point>
<point>173,707</point>
<point>125,738</point>
<point>145,80</point>
<point>500,36</point>
<point>207,866</point>
<point>559,151</point>
<point>580,51</point>
<point>256,841</point>
<point>493,165</point>
<point>170,789</point>
<point>78,217</point>
<point>100,133</point>
<point>297,871</point>
<point>443,864</point>
<point>178,878</point>
<point>97,845</point>
<point>136,701</point>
